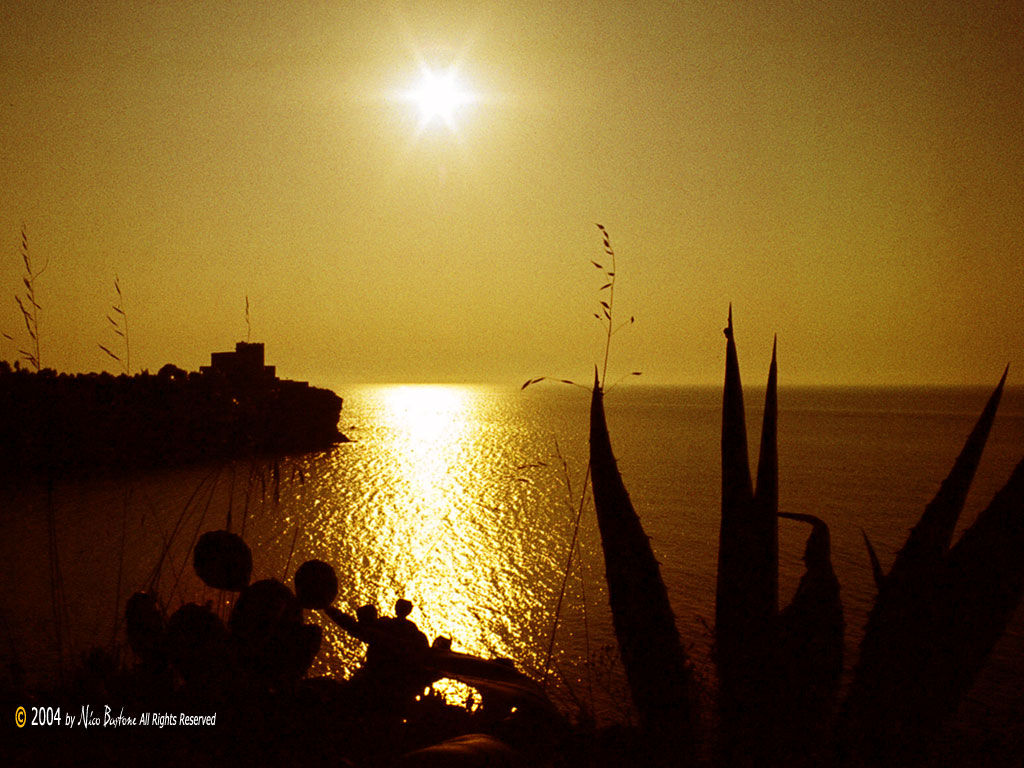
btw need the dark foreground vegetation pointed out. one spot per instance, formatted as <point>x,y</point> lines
<point>67,424</point>
<point>234,692</point>
<point>776,702</point>
<point>938,614</point>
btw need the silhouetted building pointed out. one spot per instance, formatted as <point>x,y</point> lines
<point>234,407</point>
<point>242,368</point>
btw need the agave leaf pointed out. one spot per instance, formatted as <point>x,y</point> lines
<point>933,533</point>
<point>810,638</point>
<point>986,570</point>
<point>768,462</point>
<point>876,566</point>
<point>737,497</point>
<point>654,660</point>
<point>950,631</point>
<point>764,522</point>
<point>746,603</point>
<point>816,606</point>
<point>734,429</point>
<point>897,691</point>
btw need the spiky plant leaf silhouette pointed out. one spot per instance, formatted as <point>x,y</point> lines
<point>766,494</point>
<point>938,610</point>
<point>746,600</point>
<point>810,649</point>
<point>876,566</point>
<point>987,570</point>
<point>656,664</point>
<point>929,540</point>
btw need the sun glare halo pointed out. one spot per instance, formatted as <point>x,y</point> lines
<point>439,96</point>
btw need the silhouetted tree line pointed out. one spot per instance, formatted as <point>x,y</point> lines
<point>64,423</point>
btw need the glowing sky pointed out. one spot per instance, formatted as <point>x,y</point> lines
<point>848,175</point>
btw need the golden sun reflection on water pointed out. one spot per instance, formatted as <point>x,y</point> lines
<point>427,506</point>
<point>428,427</point>
<point>425,442</point>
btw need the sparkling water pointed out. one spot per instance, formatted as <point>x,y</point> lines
<point>464,500</point>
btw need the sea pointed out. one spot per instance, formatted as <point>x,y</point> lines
<point>472,503</point>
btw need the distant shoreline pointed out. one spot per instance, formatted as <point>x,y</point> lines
<point>69,425</point>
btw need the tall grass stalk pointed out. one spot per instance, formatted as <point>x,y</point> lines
<point>257,476</point>
<point>120,327</point>
<point>291,552</point>
<point>568,562</point>
<point>154,577</point>
<point>586,628</point>
<point>29,306</point>
<point>195,537</point>
<point>606,317</point>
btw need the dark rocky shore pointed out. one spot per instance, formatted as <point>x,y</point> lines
<point>235,407</point>
<point>229,687</point>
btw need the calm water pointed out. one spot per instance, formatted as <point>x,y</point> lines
<point>463,501</point>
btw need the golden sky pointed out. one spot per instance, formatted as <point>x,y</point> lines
<point>850,175</point>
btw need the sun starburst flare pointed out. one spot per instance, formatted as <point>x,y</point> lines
<point>439,96</point>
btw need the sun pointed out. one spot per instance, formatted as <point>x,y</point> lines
<point>439,96</point>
